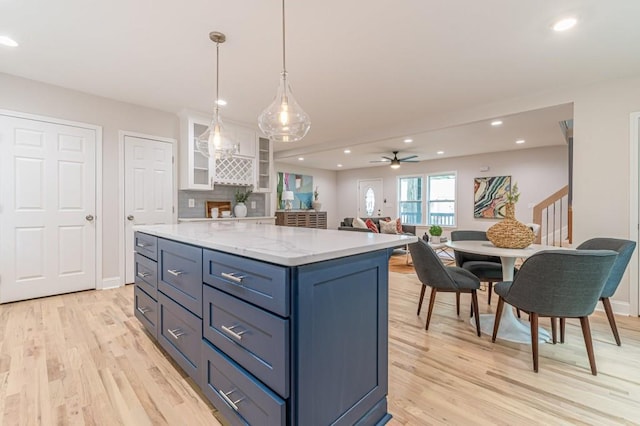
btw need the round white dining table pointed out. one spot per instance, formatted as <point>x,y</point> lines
<point>511,328</point>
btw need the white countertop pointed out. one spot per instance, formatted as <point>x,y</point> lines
<point>282,245</point>
<point>222,219</point>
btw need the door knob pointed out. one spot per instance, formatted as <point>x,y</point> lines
<point>130,217</point>
<point>89,217</point>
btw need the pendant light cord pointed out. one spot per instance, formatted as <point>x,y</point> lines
<point>217,74</point>
<point>284,54</point>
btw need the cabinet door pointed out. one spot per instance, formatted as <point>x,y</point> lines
<point>195,168</point>
<point>264,159</point>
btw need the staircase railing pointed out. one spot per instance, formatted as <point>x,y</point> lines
<point>554,215</point>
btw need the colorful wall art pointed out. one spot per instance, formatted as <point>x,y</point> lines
<point>302,187</point>
<point>490,196</point>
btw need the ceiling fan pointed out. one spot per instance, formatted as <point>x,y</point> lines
<point>395,161</point>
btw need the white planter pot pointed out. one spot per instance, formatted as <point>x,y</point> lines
<point>435,240</point>
<point>240,210</point>
<point>316,205</point>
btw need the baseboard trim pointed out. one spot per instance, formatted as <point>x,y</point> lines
<point>619,308</point>
<point>112,282</point>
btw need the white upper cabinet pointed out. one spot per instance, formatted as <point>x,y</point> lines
<point>196,170</point>
<point>251,165</point>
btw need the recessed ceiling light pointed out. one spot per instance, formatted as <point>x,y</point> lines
<point>8,41</point>
<point>221,102</point>
<point>300,158</point>
<point>408,140</point>
<point>339,165</point>
<point>520,141</point>
<point>440,152</point>
<point>347,151</point>
<point>565,24</point>
<point>495,123</point>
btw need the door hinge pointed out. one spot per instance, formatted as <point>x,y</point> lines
<point>173,209</point>
<point>173,159</point>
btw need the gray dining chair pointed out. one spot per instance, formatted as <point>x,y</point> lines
<point>433,273</point>
<point>557,284</point>
<point>625,249</point>
<point>488,269</point>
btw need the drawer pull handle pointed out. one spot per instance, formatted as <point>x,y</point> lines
<point>143,311</point>
<point>174,272</point>
<point>142,245</point>
<point>176,333</point>
<point>229,331</point>
<point>143,274</point>
<point>226,398</point>
<point>231,276</point>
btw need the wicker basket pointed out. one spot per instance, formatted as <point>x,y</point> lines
<point>509,233</point>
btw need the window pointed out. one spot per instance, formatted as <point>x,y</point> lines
<point>410,199</point>
<point>441,199</point>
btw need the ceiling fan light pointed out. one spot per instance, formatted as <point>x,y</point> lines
<point>395,164</point>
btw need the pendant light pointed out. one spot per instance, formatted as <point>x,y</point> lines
<point>283,120</point>
<point>214,141</point>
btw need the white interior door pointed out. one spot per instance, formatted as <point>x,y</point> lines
<point>370,198</point>
<point>47,208</point>
<point>148,187</point>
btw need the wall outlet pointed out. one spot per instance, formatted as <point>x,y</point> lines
<point>253,204</point>
<point>192,202</point>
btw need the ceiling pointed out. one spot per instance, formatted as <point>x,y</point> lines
<point>368,72</point>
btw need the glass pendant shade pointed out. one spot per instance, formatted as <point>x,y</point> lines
<point>214,142</point>
<point>283,120</point>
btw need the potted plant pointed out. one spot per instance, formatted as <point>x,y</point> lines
<point>240,209</point>
<point>315,204</point>
<point>436,233</point>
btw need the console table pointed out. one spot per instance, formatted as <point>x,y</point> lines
<point>302,219</point>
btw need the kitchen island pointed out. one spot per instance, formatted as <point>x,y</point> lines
<point>277,325</point>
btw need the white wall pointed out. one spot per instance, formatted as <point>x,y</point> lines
<point>539,172</point>
<point>32,97</point>
<point>325,180</point>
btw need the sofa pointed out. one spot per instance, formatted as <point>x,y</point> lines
<point>347,225</point>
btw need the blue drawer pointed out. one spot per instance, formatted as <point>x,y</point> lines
<point>254,338</point>
<point>146,310</point>
<point>180,274</point>
<point>146,245</point>
<point>236,394</point>
<point>146,275</point>
<point>180,334</point>
<point>260,283</point>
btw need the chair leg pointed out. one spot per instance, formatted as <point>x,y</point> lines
<point>458,303</point>
<point>563,322</point>
<point>474,304</point>
<point>432,300</point>
<point>533,318</point>
<point>518,312</point>
<point>554,331</point>
<point>424,288</point>
<point>489,291</point>
<point>612,320</point>
<point>496,323</point>
<point>586,333</point>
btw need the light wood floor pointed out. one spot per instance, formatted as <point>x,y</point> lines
<point>83,358</point>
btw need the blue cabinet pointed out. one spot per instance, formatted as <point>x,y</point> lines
<point>276,345</point>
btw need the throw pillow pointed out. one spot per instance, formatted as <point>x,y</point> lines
<point>399,226</point>
<point>359,223</point>
<point>371,225</point>
<point>388,227</point>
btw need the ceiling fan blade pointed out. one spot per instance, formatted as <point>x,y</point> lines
<point>379,161</point>
<point>408,158</point>
<point>387,158</point>
<point>410,161</point>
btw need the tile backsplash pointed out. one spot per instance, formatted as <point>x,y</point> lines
<point>220,193</point>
